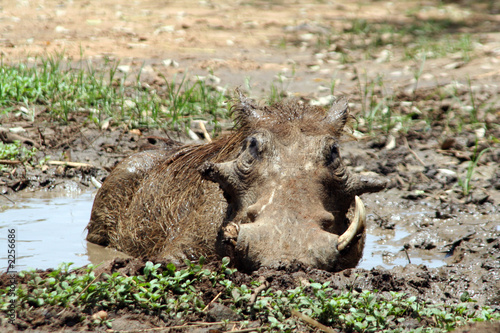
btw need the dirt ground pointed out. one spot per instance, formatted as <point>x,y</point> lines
<point>248,44</point>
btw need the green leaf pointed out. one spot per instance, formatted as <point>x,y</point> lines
<point>315,285</point>
<point>225,261</point>
<point>201,260</point>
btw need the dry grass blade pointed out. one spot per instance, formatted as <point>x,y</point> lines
<point>205,132</point>
<point>413,152</point>
<point>313,322</point>
<point>71,164</point>
<point>10,162</point>
<point>212,301</point>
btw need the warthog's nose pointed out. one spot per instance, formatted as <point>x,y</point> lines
<point>324,219</point>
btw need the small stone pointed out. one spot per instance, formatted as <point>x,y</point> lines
<point>129,104</point>
<point>384,56</point>
<point>165,28</point>
<point>480,132</point>
<point>61,29</point>
<point>219,312</point>
<point>448,143</point>
<point>306,37</point>
<point>17,130</point>
<point>136,131</point>
<point>124,68</point>
<point>454,65</point>
<point>170,63</point>
<point>101,315</point>
<point>391,142</point>
<point>323,101</point>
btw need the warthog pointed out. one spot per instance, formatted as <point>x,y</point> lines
<point>273,192</point>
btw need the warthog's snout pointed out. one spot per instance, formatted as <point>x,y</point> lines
<point>281,242</point>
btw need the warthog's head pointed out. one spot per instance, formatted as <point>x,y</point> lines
<point>290,196</point>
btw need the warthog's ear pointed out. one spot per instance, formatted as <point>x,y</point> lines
<point>338,114</point>
<point>246,110</point>
<point>223,174</point>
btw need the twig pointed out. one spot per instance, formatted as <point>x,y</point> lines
<point>87,287</point>
<point>459,240</point>
<point>95,182</point>
<point>479,76</point>
<point>405,248</point>
<point>453,245</point>
<point>208,305</point>
<point>6,197</point>
<point>257,291</point>
<point>9,137</point>
<point>247,330</point>
<point>70,164</point>
<point>313,322</point>
<point>413,152</point>
<point>10,162</point>
<point>205,133</point>
<point>42,137</point>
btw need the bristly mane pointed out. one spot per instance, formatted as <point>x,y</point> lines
<point>291,114</point>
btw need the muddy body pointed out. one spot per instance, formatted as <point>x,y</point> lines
<point>273,192</point>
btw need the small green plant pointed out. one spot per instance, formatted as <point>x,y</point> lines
<point>169,292</point>
<point>16,152</point>
<point>379,111</point>
<point>279,87</point>
<point>465,182</point>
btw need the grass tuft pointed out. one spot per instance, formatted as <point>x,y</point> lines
<point>105,94</point>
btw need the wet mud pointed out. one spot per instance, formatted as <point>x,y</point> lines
<point>442,243</point>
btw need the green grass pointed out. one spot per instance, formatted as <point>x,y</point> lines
<point>16,152</point>
<point>455,107</point>
<point>105,94</point>
<point>465,182</point>
<point>430,47</point>
<point>176,294</point>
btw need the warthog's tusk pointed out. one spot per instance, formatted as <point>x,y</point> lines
<point>356,225</point>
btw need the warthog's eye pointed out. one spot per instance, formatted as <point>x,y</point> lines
<point>332,155</point>
<point>253,147</point>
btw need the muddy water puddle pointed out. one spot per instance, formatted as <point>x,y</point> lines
<point>379,252</point>
<point>50,229</point>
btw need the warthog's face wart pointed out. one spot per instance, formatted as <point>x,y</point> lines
<point>290,195</point>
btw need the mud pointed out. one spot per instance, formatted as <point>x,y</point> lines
<point>423,212</point>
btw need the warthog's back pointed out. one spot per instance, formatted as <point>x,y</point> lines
<point>156,203</point>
